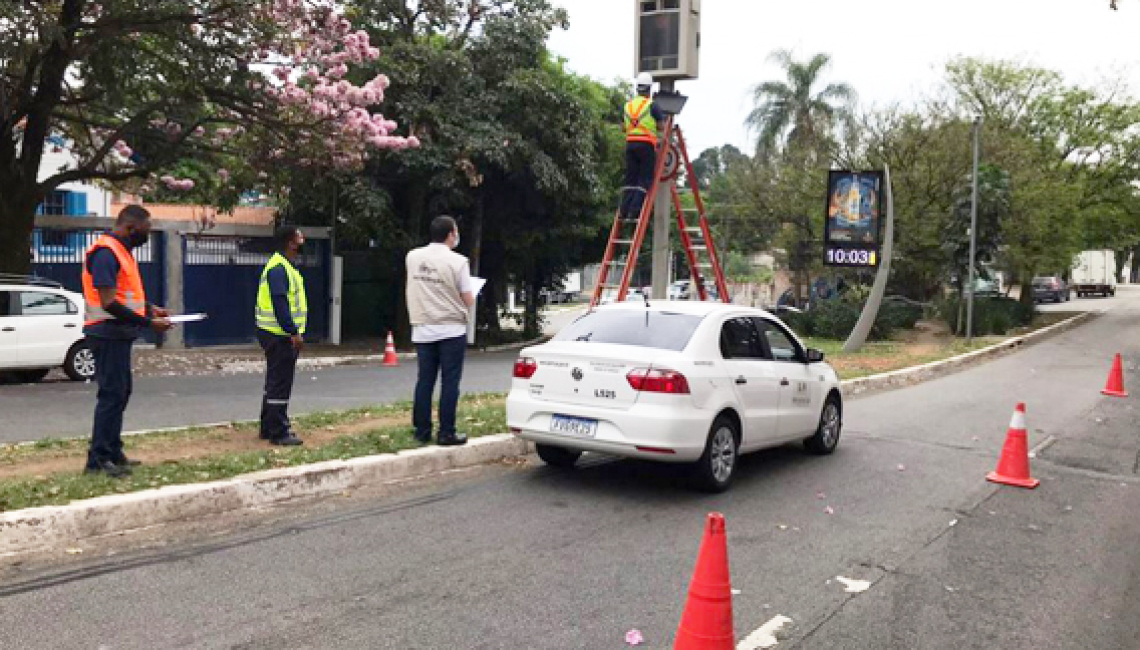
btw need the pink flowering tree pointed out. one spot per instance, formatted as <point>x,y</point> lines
<point>204,99</point>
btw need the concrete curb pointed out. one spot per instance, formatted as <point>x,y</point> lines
<point>926,372</point>
<point>38,529</point>
<point>45,528</point>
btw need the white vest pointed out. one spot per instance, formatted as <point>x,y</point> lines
<point>433,287</point>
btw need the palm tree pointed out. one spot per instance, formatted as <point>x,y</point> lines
<point>791,107</point>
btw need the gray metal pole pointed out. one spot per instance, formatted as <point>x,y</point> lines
<point>973,235</point>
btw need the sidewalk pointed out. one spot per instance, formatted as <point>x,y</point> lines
<point>151,361</point>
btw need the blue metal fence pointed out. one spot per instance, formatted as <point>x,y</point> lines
<point>221,277</point>
<point>59,255</point>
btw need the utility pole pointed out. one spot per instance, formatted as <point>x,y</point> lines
<point>973,234</point>
<point>662,208</point>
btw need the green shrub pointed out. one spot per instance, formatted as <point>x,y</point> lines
<point>836,318</point>
<point>992,316</point>
<point>833,319</point>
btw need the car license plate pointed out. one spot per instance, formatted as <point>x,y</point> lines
<point>583,427</point>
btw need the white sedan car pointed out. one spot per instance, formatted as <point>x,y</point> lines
<point>41,327</point>
<point>681,382</point>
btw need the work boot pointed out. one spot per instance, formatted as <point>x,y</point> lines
<point>128,462</point>
<point>288,440</point>
<point>108,468</point>
<point>453,440</point>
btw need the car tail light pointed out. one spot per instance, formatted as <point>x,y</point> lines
<point>658,381</point>
<point>525,367</point>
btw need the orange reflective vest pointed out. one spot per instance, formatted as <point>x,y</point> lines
<point>128,286</point>
<point>639,123</point>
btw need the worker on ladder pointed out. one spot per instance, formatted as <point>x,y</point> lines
<point>641,119</point>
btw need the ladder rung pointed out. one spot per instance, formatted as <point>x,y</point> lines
<point>704,266</point>
<point>693,229</point>
<point>699,248</point>
<point>623,241</point>
<point>618,263</point>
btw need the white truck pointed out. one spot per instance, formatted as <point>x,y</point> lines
<point>1094,273</point>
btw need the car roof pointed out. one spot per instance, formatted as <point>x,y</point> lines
<point>690,307</point>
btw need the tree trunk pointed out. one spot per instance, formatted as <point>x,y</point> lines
<point>416,197</point>
<point>531,327</point>
<point>17,219</point>
<point>1121,261</point>
<point>1132,277</point>
<point>1027,289</point>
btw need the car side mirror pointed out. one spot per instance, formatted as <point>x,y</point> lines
<point>814,356</point>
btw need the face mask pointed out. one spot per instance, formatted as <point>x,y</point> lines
<point>136,239</point>
<point>456,244</point>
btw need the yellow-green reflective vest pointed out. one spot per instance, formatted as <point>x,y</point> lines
<point>298,303</point>
<point>639,123</point>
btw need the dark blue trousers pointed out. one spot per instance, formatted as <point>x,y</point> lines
<point>445,360</point>
<point>113,373</point>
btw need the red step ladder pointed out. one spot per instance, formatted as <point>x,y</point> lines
<point>697,241</point>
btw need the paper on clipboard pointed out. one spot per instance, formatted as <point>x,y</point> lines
<point>186,318</point>
<point>477,285</point>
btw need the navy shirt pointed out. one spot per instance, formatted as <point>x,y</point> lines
<point>104,269</point>
<point>278,279</point>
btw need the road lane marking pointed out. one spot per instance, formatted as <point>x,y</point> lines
<point>1042,446</point>
<point>765,636</point>
<point>854,586</point>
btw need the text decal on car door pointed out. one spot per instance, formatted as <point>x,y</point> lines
<point>605,394</point>
<point>802,395</point>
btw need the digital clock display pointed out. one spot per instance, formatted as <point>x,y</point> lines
<point>866,257</point>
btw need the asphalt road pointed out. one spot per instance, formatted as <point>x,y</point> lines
<point>528,557</point>
<point>33,411</point>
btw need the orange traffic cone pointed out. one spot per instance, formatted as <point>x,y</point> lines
<point>390,352</point>
<point>1115,385</point>
<point>1013,467</point>
<point>707,621</point>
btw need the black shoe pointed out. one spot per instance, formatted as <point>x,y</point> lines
<point>108,468</point>
<point>128,462</point>
<point>287,441</point>
<point>422,439</point>
<point>454,440</point>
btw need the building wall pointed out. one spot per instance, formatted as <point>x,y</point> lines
<point>96,201</point>
<point>247,216</point>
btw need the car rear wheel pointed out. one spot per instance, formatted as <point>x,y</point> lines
<point>826,437</point>
<point>557,456</point>
<point>80,362</point>
<point>714,471</point>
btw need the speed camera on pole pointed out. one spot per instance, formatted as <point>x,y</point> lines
<point>668,39</point>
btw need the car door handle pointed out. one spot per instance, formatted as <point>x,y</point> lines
<point>740,381</point>
<point>8,329</point>
<point>71,326</point>
<point>785,382</point>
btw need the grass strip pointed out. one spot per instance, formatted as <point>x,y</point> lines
<point>479,415</point>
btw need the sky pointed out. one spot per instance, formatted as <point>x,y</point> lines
<point>891,51</point>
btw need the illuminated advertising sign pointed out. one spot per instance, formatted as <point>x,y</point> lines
<point>854,217</point>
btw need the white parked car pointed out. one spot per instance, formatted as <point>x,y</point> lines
<point>41,327</point>
<point>681,382</point>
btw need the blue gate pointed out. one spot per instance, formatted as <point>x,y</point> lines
<point>221,276</point>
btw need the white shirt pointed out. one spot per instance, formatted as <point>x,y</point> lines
<point>436,333</point>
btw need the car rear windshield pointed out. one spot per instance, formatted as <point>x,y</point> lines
<point>649,329</point>
<point>1042,282</point>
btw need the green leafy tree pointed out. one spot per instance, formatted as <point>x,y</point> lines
<point>138,89</point>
